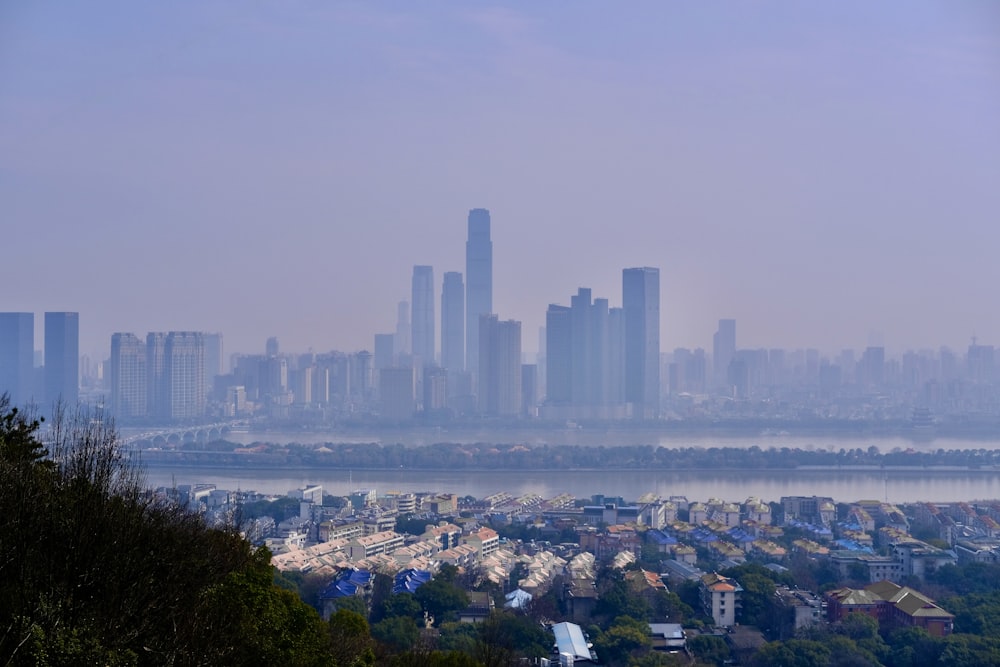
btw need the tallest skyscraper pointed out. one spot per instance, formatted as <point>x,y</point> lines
<point>478,282</point>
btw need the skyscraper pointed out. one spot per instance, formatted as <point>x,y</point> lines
<point>641,308</point>
<point>184,368</point>
<point>17,343</point>
<point>402,340</point>
<point>128,377</point>
<point>157,386</point>
<point>723,351</point>
<point>423,315</point>
<point>479,282</point>
<point>213,360</point>
<point>559,355</point>
<point>384,350</point>
<point>62,357</point>
<point>453,322</point>
<point>499,367</point>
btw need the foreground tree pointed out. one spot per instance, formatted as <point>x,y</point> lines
<point>95,570</point>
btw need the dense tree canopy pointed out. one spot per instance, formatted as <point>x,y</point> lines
<point>95,570</point>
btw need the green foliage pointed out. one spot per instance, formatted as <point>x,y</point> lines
<point>981,578</point>
<point>792,653</point>
<point>354,603</point>
<point>506,637</point>
<point>615,599</point>
<point>441,598</point>
<point>351,640</point>
<point>407,524</point>
<point>913,647</point>
<point>93,570</point>
<point>656,659</point>
<point>627,638</point>
<point>403,604</point>
<point>457,636</point>
<point>969,651</point>
<point>669,606</point>
<point>709,649</point>
<point>422,658</point>
<point>278,509</point>
<point>397,632</point>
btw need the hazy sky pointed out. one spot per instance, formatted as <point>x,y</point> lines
<point>818,171</point>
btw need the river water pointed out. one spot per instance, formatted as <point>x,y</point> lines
<point>842,485</point>
<point>895,486</point>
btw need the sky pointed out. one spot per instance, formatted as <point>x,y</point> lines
<point>828,174</point>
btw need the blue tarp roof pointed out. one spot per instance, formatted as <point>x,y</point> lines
<point>409,580</point>
<point>659,537</point>
<point>347,582</point>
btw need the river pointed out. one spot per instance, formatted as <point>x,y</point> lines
<point>895,486</point>
<point>892,485</point>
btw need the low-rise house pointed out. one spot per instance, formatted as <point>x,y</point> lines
<point>373,545</point>
<point>348,583</point>
<point>892,605</point>
<point>667,637</point>
<point>479,608</point>
<point>446,534</point>
<point>572,647</point>
<point>485,540</point>
<point>797,609</point>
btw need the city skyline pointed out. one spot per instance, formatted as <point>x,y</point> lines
<point>825,175</point>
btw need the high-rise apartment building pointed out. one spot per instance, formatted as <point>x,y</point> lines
<point>558,355</point>
<point>184,369</point>
<point>384,350</point>
<point>62,358</point>
<point>478,282</point>
<point>641,309</point>
<point>17,343</point>
<point>397,391</point>
<point>499,367</point>
<point>213,360</point>
<point>723,351</point>
<point>402,339</point>
<point>128,377</point>
<point>157,388</point>
<point>422,315</point>
<point>453,322</point>
<point>584,363</point>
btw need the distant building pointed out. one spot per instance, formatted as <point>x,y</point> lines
<point>499,367</point>
<point>723,351</point>
<point>572,646</point>
<point>453,323</point>
<point>403,330</point>
<point>17,346</point>
<point>892,605</point>
<point>435,390</point>
<point>422,315</point>
<point>214,355</point>
<point>62,358</point>
<point>184,371</point>
<point>641,309</point>
<point>720,598</point>
<point>128,377</point>
<point>479,282</point>
<point>397,389</point>
<point>384,350</point>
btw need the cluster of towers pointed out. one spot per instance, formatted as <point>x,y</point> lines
<point>601,362</point>
<point>57,377</point>
<point>166,377</point>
